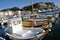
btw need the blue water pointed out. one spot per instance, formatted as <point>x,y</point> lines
<point>56,32</point>
<point>2,32</point>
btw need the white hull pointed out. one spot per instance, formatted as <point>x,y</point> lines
<point>27,34</point>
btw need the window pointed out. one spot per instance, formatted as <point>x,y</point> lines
<point>16,22</point>
<point>25,20</point>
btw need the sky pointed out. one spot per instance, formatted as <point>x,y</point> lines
<point>21,3</point>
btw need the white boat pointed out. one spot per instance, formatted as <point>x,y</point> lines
<point>15,30</point>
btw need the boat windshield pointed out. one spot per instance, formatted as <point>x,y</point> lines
<point>16,22</point>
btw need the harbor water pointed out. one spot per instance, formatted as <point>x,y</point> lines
<point>55,34</point>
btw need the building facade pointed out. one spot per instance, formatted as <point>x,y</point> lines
<point>10,12</point>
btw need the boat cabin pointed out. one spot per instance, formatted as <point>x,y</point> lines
<point>15,24</point>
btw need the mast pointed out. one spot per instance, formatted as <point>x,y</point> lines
<point>32,6</point>
<point>33,12</point>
